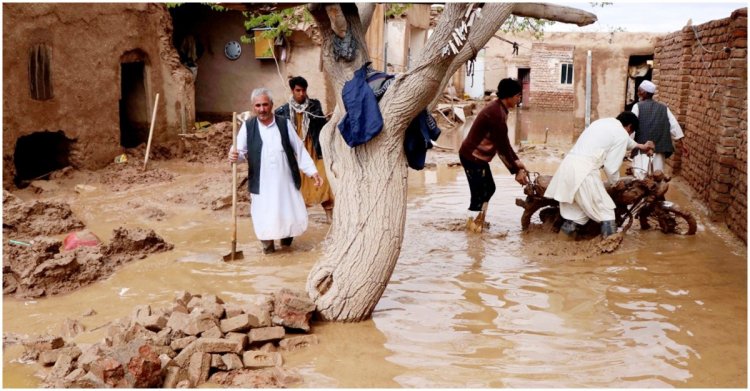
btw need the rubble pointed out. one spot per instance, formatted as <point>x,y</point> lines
<point>121,177</point>
<point>292,309</point>
<point>22,220</point>
<point>134,354</point>
<point>43,268</point>
<point>208,145</point>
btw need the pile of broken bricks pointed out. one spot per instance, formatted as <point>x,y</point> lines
<point>198,339</point>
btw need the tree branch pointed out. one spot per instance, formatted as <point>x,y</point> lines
<point>337,18</point>
<point>558,13</point>
<point>493,16</point>
<point>366,11</point>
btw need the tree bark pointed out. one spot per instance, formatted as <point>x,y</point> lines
<point>369,181</point>
<point>554,12</point>
<point>366,11</point>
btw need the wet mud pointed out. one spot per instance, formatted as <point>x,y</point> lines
<point>23,220</point>
<point>44,268</point>
<point>504,308</point>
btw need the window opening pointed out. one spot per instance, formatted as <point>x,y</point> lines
<point>566,74</point>
<point>40,79</point>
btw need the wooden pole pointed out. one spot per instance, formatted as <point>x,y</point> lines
<point>234,186</point>
<point>151,132</point>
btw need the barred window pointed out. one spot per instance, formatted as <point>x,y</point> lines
<point>566,74</point>
<point>39,72</point>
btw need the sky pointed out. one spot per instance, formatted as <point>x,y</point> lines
<point>652,16</point>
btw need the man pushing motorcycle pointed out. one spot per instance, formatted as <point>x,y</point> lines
<point>577,183</point>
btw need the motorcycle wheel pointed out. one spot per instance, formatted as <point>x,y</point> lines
<point>547,213</point>
<point>671,220</point>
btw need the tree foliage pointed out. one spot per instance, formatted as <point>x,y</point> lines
<point>518,23</point>
<point>279,23</point>
<point>396,9</point>
<point>213,6</point>
<point>282,23</point>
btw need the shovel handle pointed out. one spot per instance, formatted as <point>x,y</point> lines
<point>234,181</point>
<point>151,132</point>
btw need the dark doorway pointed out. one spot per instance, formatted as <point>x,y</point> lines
<point>524,76</point>
<point>133,105</point>
<point>639,69</point>
<point>40,154</point>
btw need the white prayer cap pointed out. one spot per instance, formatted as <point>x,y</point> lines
<point>648,86</point>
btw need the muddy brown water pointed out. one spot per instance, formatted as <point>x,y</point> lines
<point>461,310</point>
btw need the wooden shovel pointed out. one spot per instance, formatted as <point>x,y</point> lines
<point>234,254</point>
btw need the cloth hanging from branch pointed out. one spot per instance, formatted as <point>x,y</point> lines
<point>344,48</point>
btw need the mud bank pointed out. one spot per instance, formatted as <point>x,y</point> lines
<point>35,264</point>
<point>26,220</point>
<point>44,268</point>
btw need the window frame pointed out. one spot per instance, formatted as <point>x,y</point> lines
<point>40,72</point>
<point>566,73</point>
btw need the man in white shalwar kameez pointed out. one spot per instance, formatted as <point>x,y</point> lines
<point>577,183</point>
<point>275,156</point>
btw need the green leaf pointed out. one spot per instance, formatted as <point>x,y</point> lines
<point>279,23</point>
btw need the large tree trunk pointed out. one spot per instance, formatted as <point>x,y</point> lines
<point>369,181</point>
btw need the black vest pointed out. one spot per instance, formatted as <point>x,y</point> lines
<point>654,126</point>
<point>255,145</point>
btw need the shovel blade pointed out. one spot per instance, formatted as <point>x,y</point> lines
<point>234,256</point>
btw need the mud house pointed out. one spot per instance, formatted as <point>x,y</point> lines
<point>552,70</point>
<point>80,82</point>
<point>81,79</point>
<point>406,37</point>
<point>227,70</point>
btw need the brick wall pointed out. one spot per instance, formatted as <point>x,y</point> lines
<point>546,90</point>
<point>703,80</point>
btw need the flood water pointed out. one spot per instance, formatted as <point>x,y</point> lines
<point>461,310</point>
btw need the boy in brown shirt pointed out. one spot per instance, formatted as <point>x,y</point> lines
<point>489,136</point>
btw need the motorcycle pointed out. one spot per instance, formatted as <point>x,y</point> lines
<point>633,197</point>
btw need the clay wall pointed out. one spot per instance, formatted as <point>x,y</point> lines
<point>223,85</point>
<point>547,90</point>
<point>86,47</point>
<point>610,55</point>
<point>701,74</point>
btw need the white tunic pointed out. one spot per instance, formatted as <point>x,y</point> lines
<point>602,145</point>
<point>278,211</point>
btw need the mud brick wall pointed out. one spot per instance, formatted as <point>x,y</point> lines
<point>88,45</point>
<point>546,90</point>
<point>701,74</point>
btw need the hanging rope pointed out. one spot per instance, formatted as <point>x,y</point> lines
<point>470,71</point>
<point>706,63</point>
<point>515,44</point>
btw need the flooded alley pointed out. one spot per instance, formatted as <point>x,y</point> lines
<point>461,309</point>
<point>119,195</point>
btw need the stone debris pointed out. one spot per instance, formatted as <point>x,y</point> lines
<point>72,327</point>
<point>214,344</point>
<point>292,309</point>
